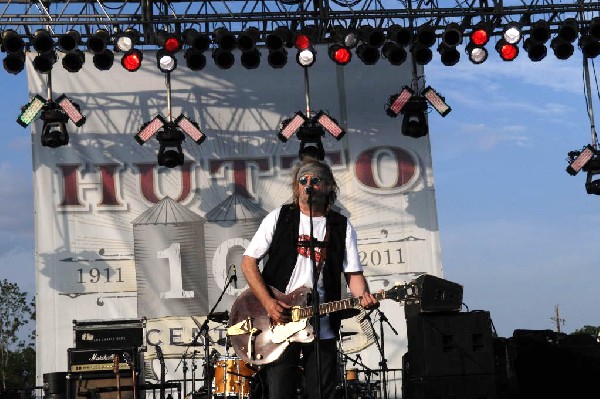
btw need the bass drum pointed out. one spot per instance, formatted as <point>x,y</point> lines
<point>232,377</point>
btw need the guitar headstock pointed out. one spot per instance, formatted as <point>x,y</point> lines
<point>400,292</point>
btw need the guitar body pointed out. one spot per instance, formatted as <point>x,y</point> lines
<point>269,341</point>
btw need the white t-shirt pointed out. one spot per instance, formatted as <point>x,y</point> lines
<point>302,273</point>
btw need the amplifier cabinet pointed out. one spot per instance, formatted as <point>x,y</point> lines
<point>96,334</point>
<point>102,386</point>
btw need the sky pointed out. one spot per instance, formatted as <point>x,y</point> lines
<point>516,230</point>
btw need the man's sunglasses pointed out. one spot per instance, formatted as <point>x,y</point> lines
<point>314,181</point>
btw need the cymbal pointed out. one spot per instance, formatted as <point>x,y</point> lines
<point>347,333</point>
<point>219,317</point>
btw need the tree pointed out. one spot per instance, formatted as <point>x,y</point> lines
<point>589,330</point>
<point>15,313</point>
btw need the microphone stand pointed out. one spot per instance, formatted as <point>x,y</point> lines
<point>204,331</point>
<point>315,297</point>
<point>381,347</point>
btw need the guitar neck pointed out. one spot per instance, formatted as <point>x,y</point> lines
<point>330,307</point>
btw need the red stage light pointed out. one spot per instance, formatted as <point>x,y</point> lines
<point>341,55</point>
<point>132,60</point>
<point>479,36</point>
<point>508,52</point>
<point>172,44</point>
<point>302,42</point>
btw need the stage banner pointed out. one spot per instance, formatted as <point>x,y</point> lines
<point>118,237</point>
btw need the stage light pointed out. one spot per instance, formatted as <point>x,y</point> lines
<point>14,63</point>
<point>540,31</point>
<point>512,33</point>
<point>535,51</point>
<point>436,100</point>
<point>98,42</point>
<point>589,46</point>
<point>170,153</point>
<point>401,35</point>
<point>562,49</point>
<point>224,59</point>
<point>569,30</point>
<point>73,60</point>
<point>103,61</point>
<point>71,109</point>
<point>374,37</point>
<point>594,28</point>
<point>579,160</point>
<point>132,60</point>
<point>31,111</point>
<point>422,55</point>
<point>347,37</point>
<point>310,140</point>
<point>277,58</point>
<point>397,102</point>
<point>341,55</point>
<point>507,51</point>
<point>42,41</point>
<point>289,127</point>
<point>190,128</point>
<point>70,40</point>
<point>44,62</point>
<point>477,55</point>
<point>414,123</point>
<point>149,129</point>
<point>224,39</point>
<point>250,59</point>
<point>306,37</point>
<point>330,125</point>
<point>425,36</point>
<point>14,46</point>
<point>449,55</point>
<point>246,40</point>
<point>168,41</point>
<point>126,41</point>
<point>480,35</point>
<point>592,186</point>
<point>369,55</point>
<point>165,61</point>
<point>452,35</point>
<point>54,130</point>
<point>194,55</point>
<point>278,39</point>
<point>306,57</point>
<point>395,54</point>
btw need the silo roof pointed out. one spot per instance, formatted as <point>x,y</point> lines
<point>167,211</point>
<point>235,207</point>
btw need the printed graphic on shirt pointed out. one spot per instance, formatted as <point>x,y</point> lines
<point>304,250</point>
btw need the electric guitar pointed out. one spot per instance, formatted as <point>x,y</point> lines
<point>258,341</point>
<point>117,375</point>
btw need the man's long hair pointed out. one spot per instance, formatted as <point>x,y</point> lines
<point>328,180</point>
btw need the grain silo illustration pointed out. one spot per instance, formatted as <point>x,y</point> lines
<point>229,227</point>
<point>170,261</point>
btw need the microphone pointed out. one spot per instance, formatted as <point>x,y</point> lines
<point>234,277</point>
<point>309,190</point>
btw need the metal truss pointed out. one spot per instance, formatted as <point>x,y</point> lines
<point>147,16</point>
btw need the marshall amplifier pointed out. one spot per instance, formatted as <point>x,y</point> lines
<point>102,360</point>
<point>96,334</point>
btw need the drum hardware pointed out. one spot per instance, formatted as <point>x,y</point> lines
<point>232,377</point>
<point>219,317</point>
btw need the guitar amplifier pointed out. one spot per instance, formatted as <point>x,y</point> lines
<point>102,360</point>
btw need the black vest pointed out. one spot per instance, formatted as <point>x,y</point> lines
<point>283,254</point>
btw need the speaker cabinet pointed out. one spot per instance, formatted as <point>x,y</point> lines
<point>447,344</point>
<point>101,386</point>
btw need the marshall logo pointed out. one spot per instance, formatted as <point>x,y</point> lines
<point>89,360</point>
<point>97,357</point>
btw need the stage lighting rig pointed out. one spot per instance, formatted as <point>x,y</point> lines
<point>309,131</point>
<point>586,159</point>
<point>170,136</point>
<point>397,102</point>
<point>55,115</point>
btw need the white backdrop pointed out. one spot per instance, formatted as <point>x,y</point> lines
<point>111,226</point>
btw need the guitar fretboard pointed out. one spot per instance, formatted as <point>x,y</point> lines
<point>330,307</point>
